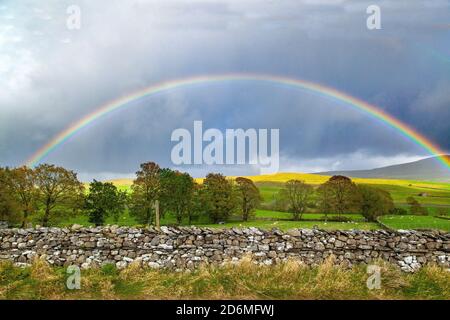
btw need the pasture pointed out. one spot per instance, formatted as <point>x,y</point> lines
<point>416,222</point>
<point>432,195</point>
<point>266,219</point>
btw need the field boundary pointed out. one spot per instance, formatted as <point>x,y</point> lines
<point>185,248</point>
<point>383,225</point>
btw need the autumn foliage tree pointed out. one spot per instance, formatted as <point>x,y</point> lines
<point>9,206</point>
<point>198,205</point>
<point>58,190</point>
<point>324,200</point>
<point>248,197</point>
<point>21,182</point>
<point>297,194</point>
<point>146,189</point>
<point>339,195</point>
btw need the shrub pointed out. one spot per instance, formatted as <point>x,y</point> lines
<point>399,211</point>
<point>415,207</point>
<point>339,219</point>
<point>374,202</point>
<point>443,212</point>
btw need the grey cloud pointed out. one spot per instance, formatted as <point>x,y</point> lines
<point>53,77</point>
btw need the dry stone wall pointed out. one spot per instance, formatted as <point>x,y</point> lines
<point>188,247</point>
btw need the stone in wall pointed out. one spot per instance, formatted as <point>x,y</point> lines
<point>187,247</point>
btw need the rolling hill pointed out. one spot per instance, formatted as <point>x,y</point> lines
<point>316,179</point>
<point>429,169</point>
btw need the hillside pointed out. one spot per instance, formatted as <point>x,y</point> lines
<point>429,169</point>
<point>277,177</point>
<point>316,179</point>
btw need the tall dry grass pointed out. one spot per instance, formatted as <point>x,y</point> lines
<point>245,280</point>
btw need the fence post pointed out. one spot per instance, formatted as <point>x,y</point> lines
<point>157,214</point>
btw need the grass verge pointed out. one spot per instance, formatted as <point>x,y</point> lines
<point>288,280</point>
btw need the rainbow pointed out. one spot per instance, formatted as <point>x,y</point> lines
<point>312,87</point>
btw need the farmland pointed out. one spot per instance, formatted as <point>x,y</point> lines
<point>433,199</point>
<point>432,195</point>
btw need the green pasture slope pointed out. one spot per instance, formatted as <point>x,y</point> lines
<point>263,219</point>
<point>266,219</point>
<point>436,196</point>
<point>416,222</point>
<point>432,195</point>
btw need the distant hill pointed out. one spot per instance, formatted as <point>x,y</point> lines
<point>277,177</point>
<point>429,169</point>
<point>425,170</point>
<point>313,179</point>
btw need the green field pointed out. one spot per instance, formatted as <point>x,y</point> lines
<point>416,222</point>
<point>286,225</point>
<point>263,219</point>
<point>277,215</point>
<point>429,194</point>
<point>432,195</point>
<point>438,196</point>
<point>266,219</point>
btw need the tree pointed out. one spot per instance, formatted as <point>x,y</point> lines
<point>218,196</point>
<point>415,207</point>
<point>146,190</point>
<point>58,190</point>
<point>104,200</point>
<point>442,212</point>
<point>176,192</point>
<point>22,183</point>
<point>9,207</point>
<point>297,194</point>
<point>374,202</point>
<point>325,199</point>
<point>339,194</point>
<point>249,197</point>
<point>198,205</point>
<point>398,211</point>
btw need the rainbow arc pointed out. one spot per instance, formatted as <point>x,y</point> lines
<point>318,89</point>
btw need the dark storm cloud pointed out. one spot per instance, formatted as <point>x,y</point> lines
<point>51,76</point>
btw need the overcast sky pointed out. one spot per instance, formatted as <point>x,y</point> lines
<point>51,76</point>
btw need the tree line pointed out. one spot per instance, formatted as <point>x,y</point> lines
<point>49,193</point>
<point>53,192</point>
<point>341,195</point>
<point>337,196</point>
<point>48,189</point>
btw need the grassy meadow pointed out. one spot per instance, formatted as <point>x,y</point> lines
<point>263,219</point>
<point>432,195</point>
<point>266,219</point>
<point>416,222</point>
